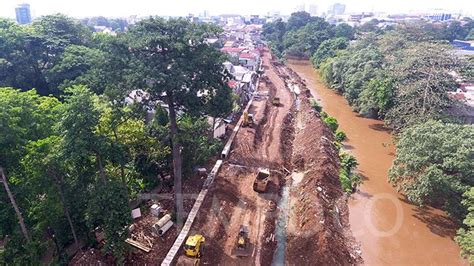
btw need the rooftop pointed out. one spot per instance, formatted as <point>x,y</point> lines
<point>232,49</point>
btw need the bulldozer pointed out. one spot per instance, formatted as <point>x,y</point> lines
<point>248,120</point>
<point>242,247</point>
<point>194,246</point>
<point>261,180</point>
<point>276,101</point>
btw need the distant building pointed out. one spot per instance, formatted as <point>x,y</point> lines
<point>464,45</point>
<point>337,9</point>
<point>23,14</point>
<point>464,95</point>
<point>360,16</point>
<point>439,16</point>
<point>313,10</point>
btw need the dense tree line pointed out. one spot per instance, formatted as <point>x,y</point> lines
<point>76,139</point>
<point>403,75</point>
<point>302,34</point>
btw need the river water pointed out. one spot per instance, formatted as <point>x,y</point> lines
<point>390,230</point>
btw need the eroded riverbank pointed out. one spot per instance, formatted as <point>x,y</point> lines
<point>390,230</point>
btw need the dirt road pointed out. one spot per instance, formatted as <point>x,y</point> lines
<point>293,142</point>
<point>232,202</point>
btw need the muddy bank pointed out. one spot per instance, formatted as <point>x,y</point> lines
<point>318,230</point>
<point>390,230</point>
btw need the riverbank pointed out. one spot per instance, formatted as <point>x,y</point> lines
<point>389,229</point>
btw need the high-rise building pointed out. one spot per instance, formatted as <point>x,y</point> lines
<point>439,16</point>
<point>337,9</point>
<point>23,14</point>
<point>313,10</point>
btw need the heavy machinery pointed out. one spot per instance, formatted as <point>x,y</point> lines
<point>242,248</point>
<point>194,246</point>
<point>261,180</point>
<point>248,120</point>
<point>276,101</point>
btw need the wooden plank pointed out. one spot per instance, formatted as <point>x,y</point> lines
<point>138,245</point>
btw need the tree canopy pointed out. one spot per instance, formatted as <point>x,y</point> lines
<point>71,161</point>
<point>302,34</point>
<point>434,164</point>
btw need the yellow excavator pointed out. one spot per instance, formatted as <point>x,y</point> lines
<point>248,120</point>
<point>261,180</point>
<point>194,246</point>
<point>242,248</point>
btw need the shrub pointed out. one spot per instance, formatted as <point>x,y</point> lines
<point>348,178</point>
<point>315,105</point>
<point>323,115</point>
<point>332,123</point>
<point>340,136</point>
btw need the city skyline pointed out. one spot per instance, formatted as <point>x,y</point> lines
<point>109,8</point>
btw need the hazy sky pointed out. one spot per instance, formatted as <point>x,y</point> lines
<point>125,8</point>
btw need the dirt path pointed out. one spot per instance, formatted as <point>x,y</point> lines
<point>232,202</point>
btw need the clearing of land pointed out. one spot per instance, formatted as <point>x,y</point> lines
<point>289,139</point>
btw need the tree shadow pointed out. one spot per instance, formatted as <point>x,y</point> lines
<point>363,177</point>
<point>380,127</point>
<point>347,146</point>
<point>438,223</point>
<point>364,194</point>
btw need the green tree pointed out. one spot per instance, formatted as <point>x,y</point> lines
<point>348,178</point>
<point>344,30</point>
<point>298,20</point>
<point>370,26</point>
<point>24,117</point>
<point>455,30</point>
<point>422,79</point>
<point>306,40</point>
<point>176,65</point>
<point>340,136</point>
<point>58,32</point>
<point>197,146</point>
<point>28,52</point>
<point>328,49</point>
<point>21,58</point>
<point>434,164</point>
<point>219,105</point>
<point>78,65</point>
<point>465,236</point>
<point>376,97</point>
<point>47,172</point>
<point>108,208</point>
<point>81,141</point>
<point>470,36</point>
<point>332,123</point>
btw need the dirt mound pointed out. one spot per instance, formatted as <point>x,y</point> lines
<point>318,231</point>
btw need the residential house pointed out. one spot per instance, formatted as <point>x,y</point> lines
<point>250,60</point>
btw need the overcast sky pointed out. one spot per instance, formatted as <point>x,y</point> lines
<point>125,8</point>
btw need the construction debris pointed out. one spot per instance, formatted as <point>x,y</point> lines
<point>155,209</point>
<point>138,245</point>
<point>165,228</point>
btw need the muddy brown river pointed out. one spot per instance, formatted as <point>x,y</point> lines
<point>390,230</point>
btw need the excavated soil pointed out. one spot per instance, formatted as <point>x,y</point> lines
<point>292,141</point>
<point>318,232</point>
<point>231,201</point>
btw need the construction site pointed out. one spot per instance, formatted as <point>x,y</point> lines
<point>274,197</point>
